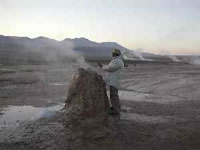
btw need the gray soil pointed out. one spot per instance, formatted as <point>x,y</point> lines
<point>160,108</point>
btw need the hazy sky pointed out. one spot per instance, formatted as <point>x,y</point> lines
<point>153,25</point>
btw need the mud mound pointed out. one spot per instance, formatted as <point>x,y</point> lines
<point>86,106</point>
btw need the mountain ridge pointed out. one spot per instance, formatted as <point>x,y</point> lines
<point>14,48</point>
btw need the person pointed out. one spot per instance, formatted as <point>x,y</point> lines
<point>114,69</point>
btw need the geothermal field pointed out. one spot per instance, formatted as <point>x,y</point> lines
<point>160,108</point>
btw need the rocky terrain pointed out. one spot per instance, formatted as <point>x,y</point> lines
<point>160,108</point>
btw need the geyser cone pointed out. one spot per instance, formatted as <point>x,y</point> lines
<point>86,106</point>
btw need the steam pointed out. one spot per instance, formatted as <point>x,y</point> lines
<point>72,61</point>
<point>66,50</point>
<point>132,54</point>
<point>138,53</point>
<point>195,60</point>
<point>167,53</point>
<point>69,51</point>
<point>82,63</point>
<point>53,51</point>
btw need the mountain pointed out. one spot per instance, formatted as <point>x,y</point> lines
<point>81,42</point>
<point>15,50</point>
<point>91,49</point>
<point>42,49</point>
<point>94,50</point>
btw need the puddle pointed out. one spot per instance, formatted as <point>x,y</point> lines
<point>7,70</point>
<point>13,115</point>
<point>58,84</point>
<point>10,87</point>
<point>145,119</point>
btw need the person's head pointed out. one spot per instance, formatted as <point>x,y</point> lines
<point>116,52</point>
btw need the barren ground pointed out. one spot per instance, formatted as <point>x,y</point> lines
<point>160,102</point>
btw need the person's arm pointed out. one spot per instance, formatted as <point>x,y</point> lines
<point>113,66</point>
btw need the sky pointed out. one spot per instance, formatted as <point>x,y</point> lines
<point>151,25</point>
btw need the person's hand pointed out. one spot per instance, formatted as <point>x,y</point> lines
<point>100,65</point>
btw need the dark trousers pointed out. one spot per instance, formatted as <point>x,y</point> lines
<point>114,98</point>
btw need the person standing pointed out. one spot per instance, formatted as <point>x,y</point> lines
<point>114,69</point>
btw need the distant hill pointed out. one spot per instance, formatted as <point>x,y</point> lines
<point>42,49</point>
